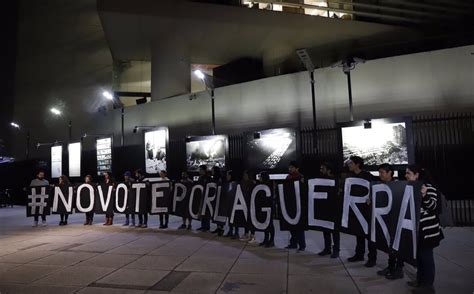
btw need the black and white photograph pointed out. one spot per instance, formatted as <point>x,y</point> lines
<point>271,149</point>
<point>382,143</point>
<point>155,151</point>
<point>206,150</point>
<point>74,152</point>
<point>56,161</point>
<point>104,155</point>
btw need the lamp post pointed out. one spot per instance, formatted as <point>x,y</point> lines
<point>308,63</point>
<point>207,80</point>
<point>17,126</point>
<point>58,112</point>
<point>347,66</point>
<point>117,104</point>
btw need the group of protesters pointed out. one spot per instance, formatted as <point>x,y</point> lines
<point>429,235</point>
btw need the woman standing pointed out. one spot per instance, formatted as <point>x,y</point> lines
<point>164,217</point>
<point>109,216</point>
<point>429,234</point>
<point>233,232</point>
<point>63,182</point>
<point>89,215</point>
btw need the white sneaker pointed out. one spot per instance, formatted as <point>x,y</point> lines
<point>244,238</point>
<point>44,224</point>
<point>252,240</point>
<point>35,224</point>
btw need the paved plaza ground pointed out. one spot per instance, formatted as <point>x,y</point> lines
<point>117,259</point>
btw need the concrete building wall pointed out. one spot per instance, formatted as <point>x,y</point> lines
<point>64,61</point>
<point>437,81</point>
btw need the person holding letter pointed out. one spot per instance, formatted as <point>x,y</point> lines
<point>164,217</point>
<point>186,220</point>
<point>63,181</point>
<point>297,235</point>
<point>394,270</point>
<point>129,217</point>
<point>89,215</point>
<point>38,182</point>
<point>142,217</point>
<point>247,184</point>
<point>269,233</point>
<point>233,232</point>
<point>429,232</point>
<point>216,177</point>
<point>109,216</point>
<point>203,180</point>
<point>356,165</point>
<point>327,171</point>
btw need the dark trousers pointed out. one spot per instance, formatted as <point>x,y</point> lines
<point>335,240</point>
<point>109,215</point>
<point>164,217</point>
<point>269,233</point>
<point>43,217</point>
<point>233,230</point>
<point>360,248</point>
<point>90,216</point>
<point>205,223</point>
<point>394,262</point>
<point>298,238</point>
<point>128,215</point>
<point>425,267</point>
<point>143,218</point>
<point>64,217</point>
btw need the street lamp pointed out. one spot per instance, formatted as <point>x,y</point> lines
<point>117,104</point>
<point>348,65</point>
<point>58,112</point>
<point>55,111</point>
<point>308,64</point>
<point>17,126</point>
<point>107,95</point>
<point>207,79</point>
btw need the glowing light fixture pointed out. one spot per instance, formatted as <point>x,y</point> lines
<point>107,95</point>
<point>15,125</point>
<point>55,111</point>
<point>199,74</point>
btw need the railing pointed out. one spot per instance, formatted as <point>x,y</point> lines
<point>388,11</point>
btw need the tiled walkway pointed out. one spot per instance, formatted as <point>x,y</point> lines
<point>98,259</point>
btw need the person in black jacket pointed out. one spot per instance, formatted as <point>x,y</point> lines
<point>394,270</point>
<point>129,217</point>
<point>269,233</point>
<point>203,180</point>
<point>109,216</point>
<point>142,217</point>
<point>429,231</point>
<point>327,171</point>
<point>63,182</point>
<point>89,215</point>
<point>356,168</point>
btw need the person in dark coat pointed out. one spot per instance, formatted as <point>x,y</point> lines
<point>429,232</point>
<point>356,170</point>
<point>298,239</point>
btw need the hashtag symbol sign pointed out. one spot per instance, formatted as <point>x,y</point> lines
<point>38,201</point>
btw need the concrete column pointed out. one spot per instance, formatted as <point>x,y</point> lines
<point>170,69</point>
